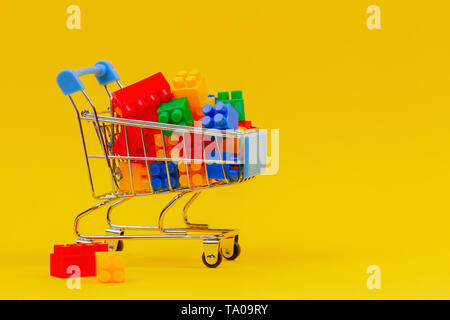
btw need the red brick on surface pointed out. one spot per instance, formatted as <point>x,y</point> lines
<point>81,255</point>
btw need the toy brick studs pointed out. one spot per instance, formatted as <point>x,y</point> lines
<point>141,100</point>
<point>220,116</point>
<point>110,267</point>
<point>176,112</point>
<point>196,171</point>
<point>160,180</point>
<point>192,86</point>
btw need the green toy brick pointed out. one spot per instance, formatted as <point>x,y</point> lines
<point>236,101</point>
<point>177,112</point>
<point>221,96</point>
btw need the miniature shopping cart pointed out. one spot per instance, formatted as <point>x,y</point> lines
<point>104,126</point>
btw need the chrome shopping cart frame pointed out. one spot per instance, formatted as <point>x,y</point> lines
<point>217,242</point>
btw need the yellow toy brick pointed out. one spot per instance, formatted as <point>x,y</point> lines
<point>140,176</point>
<point>192,86</point>
<point>110,267</point>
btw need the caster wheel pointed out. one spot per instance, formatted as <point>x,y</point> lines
<point>236,252</point>
<point>219,260</point>
<point>119,245</point>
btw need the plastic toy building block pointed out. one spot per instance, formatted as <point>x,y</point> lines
<point>236,101</point>
<point>192,86</point>
<point>176,147</point>
<point>255,153</point>
<point>221,116</point>
<point>110,267</point>
<point>197,175</point>
<point>141,100</point>
<point>215,170</point>
<point>246,124</point>
<point>135,144</point>
<point>175,112</point>
<point>160,181</point>
<point>171,144</point>
<point>140,176</point>
<point>195,143</point>
<point>80,255</point>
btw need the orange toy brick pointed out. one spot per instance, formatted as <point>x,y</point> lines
<point>140,176</point>
<point>172,144</point>
<point>197,175</point>
<point>110,267</point>
<point>175,146</point>
<point>192,86</point>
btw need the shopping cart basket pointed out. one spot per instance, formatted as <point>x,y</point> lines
<point>251,159</point>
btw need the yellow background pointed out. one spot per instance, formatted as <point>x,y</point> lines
<point>363,115</point>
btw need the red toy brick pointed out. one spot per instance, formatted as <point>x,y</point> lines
<point>246,124</point>
<point>135,145</point>
<point>141,100</point>
<point>81,255</point>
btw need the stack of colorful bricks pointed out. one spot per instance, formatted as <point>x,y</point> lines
<point>186,103</point>
<point>87,260</point>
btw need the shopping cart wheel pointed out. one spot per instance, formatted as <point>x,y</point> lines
<point>211,255</point>
<point>214,265</point>
<point>236,252</point>
<point>119,245</point>
<point>230,247</point>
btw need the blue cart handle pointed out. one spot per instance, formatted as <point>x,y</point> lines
<point>69,80</point>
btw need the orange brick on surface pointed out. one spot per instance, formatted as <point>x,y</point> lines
<point>110,267</point>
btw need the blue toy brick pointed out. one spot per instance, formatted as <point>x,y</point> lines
<point>255,153</point>
<point>221,116</point>
<point>158,172</point>
<point>236,101</point>
<point>215,170</point>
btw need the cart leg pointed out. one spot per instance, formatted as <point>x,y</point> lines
<point>81,237</point>
<point>164,211</point>
<point>114,244</point>
<point>108,214</point>
<point>185,209</point>
<point>211,256</point>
